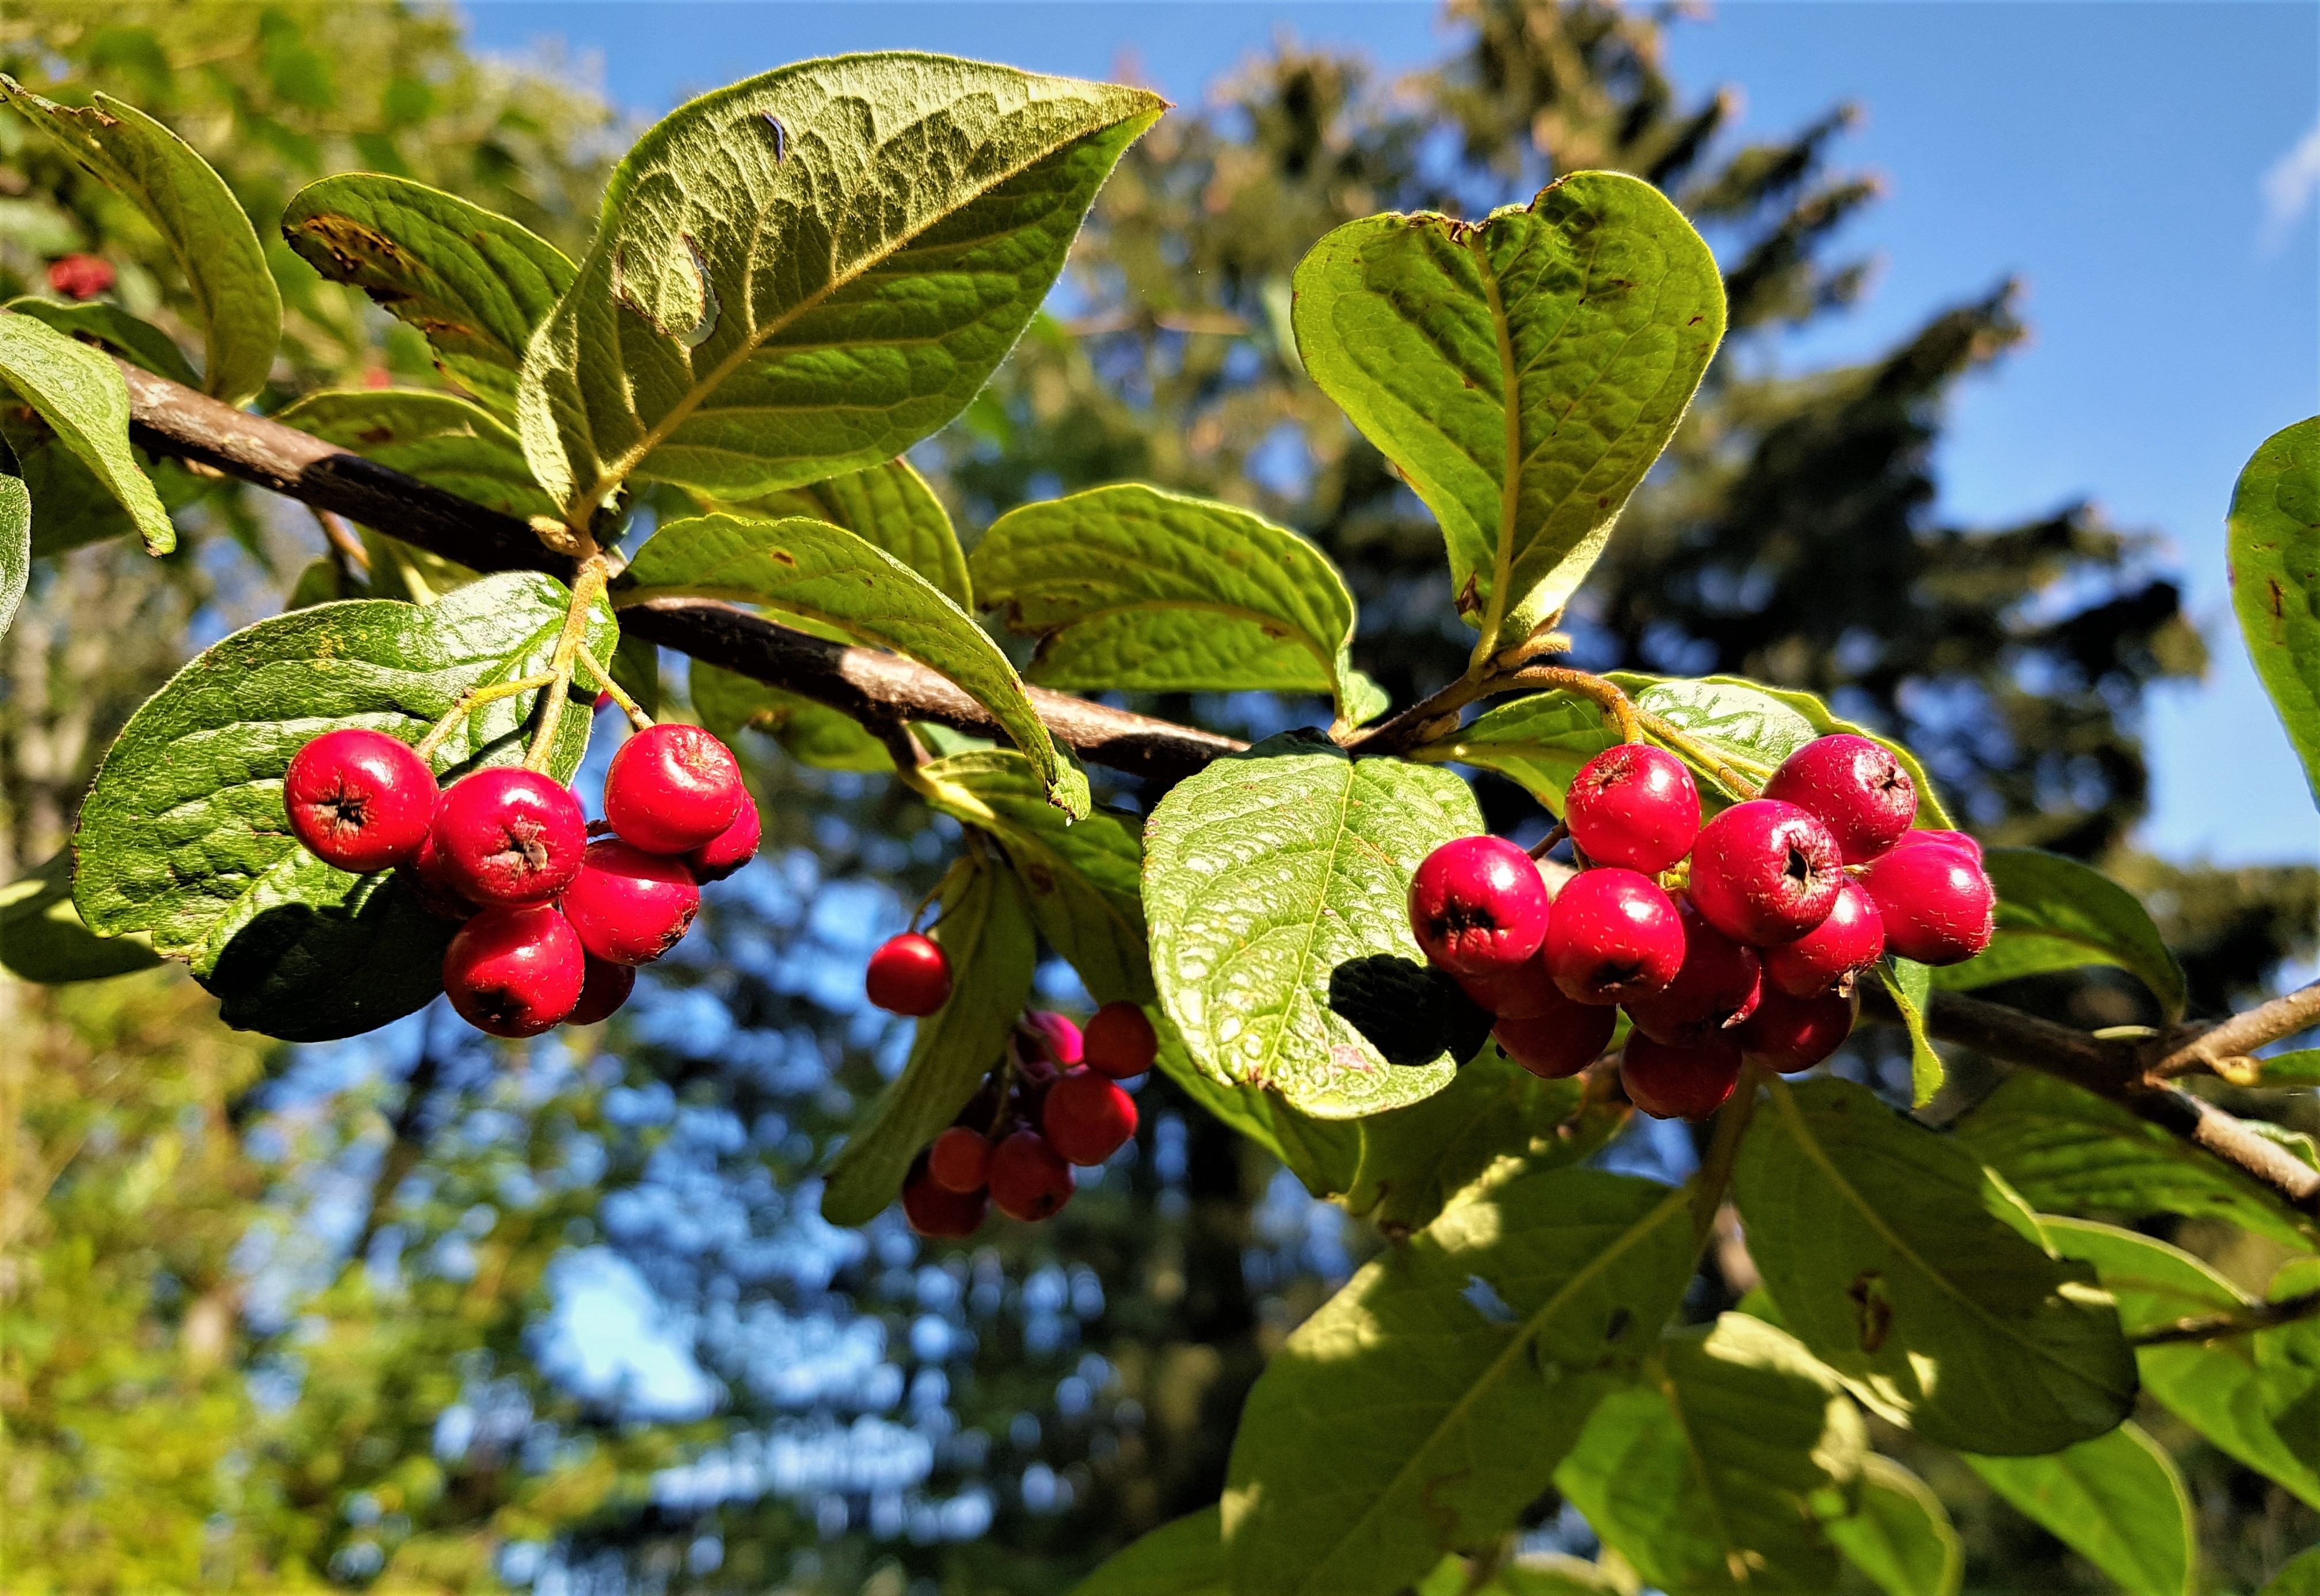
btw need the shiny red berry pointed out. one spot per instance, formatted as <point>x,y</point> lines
<point>1634,806</point>
<point>1854,786</point>
<point>1029,1180</point>
<point>1562,1038</point>
<point>1120,1041</point>
<point>1788,1034</point>
<point>360,799</point>
<point>1937,906</point>
<point>81,276</point>
<point>1086,1118</point>
<point>1476,905</point>
<point>731,849</point>
<point>1715,989</point>
<point>514,971</point>
<point>908,974</point>
<point>433,881</point>
<point>1830,954</point>
<point>604,988</point>
<point>509,836</point>
<point>629,906</point>
<point>936,1212</point>
<point>1958,840</point>
<point>671,788</point>
<point>1679,1083</point>
<point>1053,1035</point>
<point>1518,993</point>
<point>959,1160</point>
<point>1765,872</point>
<point>1614,934</point>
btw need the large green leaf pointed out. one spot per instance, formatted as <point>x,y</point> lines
<point>2055,913</point>
<point>1823,722</point>
<point>183,836</point>
<point>1429,1401</point>
<point>474,282</point>
<point>41,937</point>
<point>76,507</point>
<point>889,504</point>
<point>438,437</point>
<point>809,271</point>
<point>1185,1557</point>
<point>1903,1265</point>
<point>1899,1536</point>
<point>1538,740</point>
<point>133,337</point>
<point>1523,373</point>
<point>1264,875</point>
<point>811,733</point>
<point>2274,542</point>
<point>1324,1154</point>
<point>2299,1066</point>
<point>15,547</point>
<point>986,931</point>
<point>2300,1577</point>
<point>196,215</point>
<point>828,575</point>
<point>1129,588</point>
<point>78,391</point>
<point>2116,1501</point>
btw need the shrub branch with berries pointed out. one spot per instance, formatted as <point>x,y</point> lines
<point>345,811</point>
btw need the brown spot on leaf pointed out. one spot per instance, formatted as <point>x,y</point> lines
<point>1470,597</point>
<point>1872,1313</point>
<point>783,555</point>
<point>1042,878</point>
<point>377,435</point>
<point>2278,600</point>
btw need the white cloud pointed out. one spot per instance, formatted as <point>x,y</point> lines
<point>2288,186</point>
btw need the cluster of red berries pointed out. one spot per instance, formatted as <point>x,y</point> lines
<point>1054,1102</point>
<point>1788,899</point>
<point>555,923</point>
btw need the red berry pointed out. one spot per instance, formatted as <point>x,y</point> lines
<point>1634,806</point>
<point>1788,1034</point>
<point>935,1212</point>
<point>1561,1039</point>
<point>604,988</point>
<point>629,906</point>
<point>1854,786</point>
<point>1830,955</point>
<point>1477,905</point>
<point>1086,1118</point>
<point>81,276</point>
<point>1054,1037</point>
<point>1614,934</point>
<point>671,788</point>
<point>360,799</point>
<point>1960,839</point>
<point>731,849</point>
<point>1764,872</point>
<point>1518,993</point>
<point>515,970</point>
<point>1937,905</point>
<point>1679,1083</point>
<point>1029,1180</point>
<point>433,883</point>
<point>509,836</point>
<point>908,974</point>
<point>1715,991</point>
<point>959,1160</point>
<point>1120,1041</point>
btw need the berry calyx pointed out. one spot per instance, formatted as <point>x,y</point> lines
<point>908,974</point>
<point>1634,806</point>
<point>1614,934</point>
<point>515,970</point>
<point>1086,1118</point>
<point>1477,905</point>
<point>731,849</point>
<point>671,788</point>
<point>1715,989</point>
<point>1937,906</point>
<point>1827,957</point>
<point>937,1212</point>
<point>959,1160</point>
<point>1029,1180</point>
<point>1679,1083</point>
<point>629,906</point>
<point>1853,785</point>
<point>1958,840</point>
<point>1561,1039</point>
<point>602,989</point>
<point>1787,1034</point>
<point>360,799</point>
<point>509,836</point>
<point>1058,1040</point>
<point>1765,872</point>
<point>1120,1041</point>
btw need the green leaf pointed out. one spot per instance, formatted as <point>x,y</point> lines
<point>1538,740</point>
<point>809,271</point>
<point>134,338</point>
<point>197,217</point>
<point>1910,985</point>
<point>635,666</point>
<point>828,575</point>
<point>2116,1501</point>
<point>78,391</point>
<point>15,548</point>
<point>474,282</point>
<point>1423,1405</point>
<point>890,506</point>
<point>1323,1153</point>
<point>1906,1268</point>
<point>2274,544</point>
<point>41,937</point>
<point>1712,1471</point>
<point>1523,373</point>
<point>2065,1150</point>
<point>986,931</point>
<point>1182,1558</point>
<point>1817,715</point>
<point>2055,913</point>
<point>438,437</point>
<point>2297,1067</point>
<point>1552,1573</point>
<point>2300,1577</point>
<point>811,733</point>
<point>1264,875</point>
<point>320,582</point>
<point>183,836</point>
<point>1901,1534</point>
<point>1129,588</point>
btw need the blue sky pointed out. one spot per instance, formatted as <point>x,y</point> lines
<point>2147,169</point>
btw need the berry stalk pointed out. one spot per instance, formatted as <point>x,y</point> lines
<point>587,588</point>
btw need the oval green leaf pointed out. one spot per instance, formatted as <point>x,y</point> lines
<point>1900,1535</point>
<point>1910,985</point>
<point>2116,1500</point>
<point>15,548</point>
<point>2274,544</point>
<point>730,703</point>
<point>2055,913</point>
<point>890,506</point>
<point>2300,1577</point>
<point>41,937</point>
<point>1183,1558</point>
<point>78,390</point>
<point>134,338</point>
<point>438,437</point>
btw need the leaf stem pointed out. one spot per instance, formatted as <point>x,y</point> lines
<point>1683,743</point>
<point>469,701</point>
<point>587,588</point>
<point>1723,1152</point>
<point>628,706</point>
<point>2246,1321</point>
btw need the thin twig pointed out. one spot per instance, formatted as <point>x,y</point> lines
<point>2242,1034</point>
<point>628,706</point>
<point>1682,742</point>
<point>342,540</point>
<point>2243,1321</point>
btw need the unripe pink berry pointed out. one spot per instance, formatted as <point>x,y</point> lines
<point>1053,1035</point>
<point>1854,786</point>
<point>959,1160</point>
<point>360,799</point>
<point>1476,905</point>
<point>1787,1034</point>
<point>935,1212</point>
<point>1633,805</point>
<point>1614,934</point>
<point>671,788</point>
<point>731,849</point>
<point>1765,872</point>
<point>1827,957</point>
<point>1120,1041</point>
<point>604,988</point>
<point>1715,989</point>
<point>1029,1180</point>
<point>514,971</point>
<point>629,906</point>
<point>1937,906</point>
<point>908,974</point>
<point>509,836</point>
<point>1560,1040</point>
<point>1086,1118</point>
<point>1679,1083</point>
